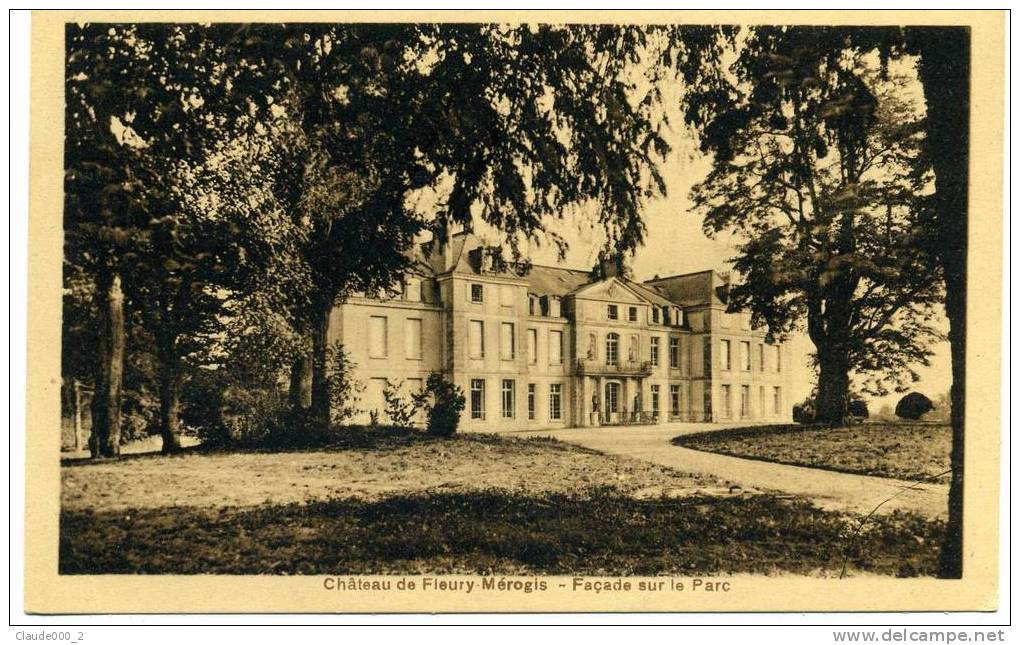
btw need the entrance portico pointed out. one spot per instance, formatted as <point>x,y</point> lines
<point>612,394</point>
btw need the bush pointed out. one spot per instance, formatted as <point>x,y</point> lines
<point>344,390</point>
<point>443,402</point>
<point>804,412</point>
<point>913,406</point>
<point>402,412</point>
<point>858,408</point>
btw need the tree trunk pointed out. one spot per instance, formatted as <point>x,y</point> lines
<point>105,439</point>
<point>833,387</point>
<point>944,71</point>
<point>300,393</point>
<point>170,380</point>
<point>320,366</point>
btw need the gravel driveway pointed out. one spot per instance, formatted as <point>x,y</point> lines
<point>829,490</point>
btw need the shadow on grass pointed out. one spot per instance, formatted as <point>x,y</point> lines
<point>498,532</point>
<point>345,438</point>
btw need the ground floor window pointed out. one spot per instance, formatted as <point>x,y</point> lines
<point>477,398</point>
<point>761,400</point>
<point>777,400</point>
<point>555,403</point>
<point>726,409</point>
<point>508,398</point>
<point>745,401</point>
<point>655,400</point>
<point>612,397</point>
<point>531,401</point>
<point>674,400</point>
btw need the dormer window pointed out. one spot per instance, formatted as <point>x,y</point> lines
<point>477,295</point>
<point>655,315</point>
<point>532,305</point>
<point>632,314</point>
<point>612,313</point>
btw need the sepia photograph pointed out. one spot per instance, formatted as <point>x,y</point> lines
<point>637,311</point>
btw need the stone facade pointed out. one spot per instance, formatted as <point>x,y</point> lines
<point>550,347</point>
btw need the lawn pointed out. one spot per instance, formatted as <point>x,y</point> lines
<point>405,503</point>
<point>910,451</point>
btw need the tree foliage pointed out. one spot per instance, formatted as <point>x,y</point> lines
<point>816,167</point>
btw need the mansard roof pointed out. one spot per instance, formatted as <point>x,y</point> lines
<point>555,281</point>
<point>693,289</point>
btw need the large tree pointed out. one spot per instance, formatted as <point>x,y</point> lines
<point>942,58</point>
<point>816,167</point>
<point>504,124</point>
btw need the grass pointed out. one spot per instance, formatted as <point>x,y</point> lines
<point>600,532</point>
<point>909,451</point>
<point>388,501</point>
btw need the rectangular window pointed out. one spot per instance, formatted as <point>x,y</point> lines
<point>476,339</point>
<point>745,401</point>
<point>653,348</point>
<point>532,305</point>
<point>531,401</point>
<point>724,357</point>
<point>611,312</point>
<point>555,347</point>
<point>655,400</point>
<point>412,338</point>
<point>612,397</point>
<point>555,307</point>
<point>725,402</point>
<point>632,314</point>
<point>555,392</point>
<point>674,400</point>
<point>378,343</point>
<point>777,400</point>
<point>477,398</point>
<point>706,361</point>
<point>761,401</point>
<point>507,351</point>
<point>506,295</point>
<point>761,359</point>
<point>532,346</point>
<point>508,398</point>
<point>612,349</point>
<point>745,356</point>
<point>779,362</point>
<point>674,353</point>
<point>655,315</point>
<point>477,295</point>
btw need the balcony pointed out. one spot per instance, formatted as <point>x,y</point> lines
<point>592,367</point>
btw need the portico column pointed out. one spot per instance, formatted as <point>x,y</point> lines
<point>601,393</point>
<point>585,402</point>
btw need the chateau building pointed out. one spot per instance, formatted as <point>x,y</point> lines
<point>553,347</point>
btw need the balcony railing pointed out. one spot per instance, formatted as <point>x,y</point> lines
<point>587,366</point>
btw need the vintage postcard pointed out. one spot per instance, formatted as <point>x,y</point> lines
<point>514,311</point>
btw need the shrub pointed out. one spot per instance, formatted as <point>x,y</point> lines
<point>913,406</point>
<point>402,412</point>
<point>804,412</point>
<point>858,408</point>
<point>344,390</point>
<point>443,402</point>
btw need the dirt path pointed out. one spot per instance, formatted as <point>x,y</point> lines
<point>830,490</point>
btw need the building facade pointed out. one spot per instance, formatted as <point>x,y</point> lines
<point>551,347</point>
